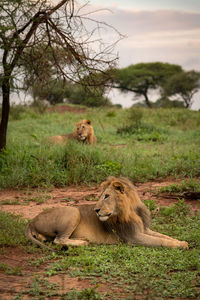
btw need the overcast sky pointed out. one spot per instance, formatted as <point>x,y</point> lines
<point>156,30</point>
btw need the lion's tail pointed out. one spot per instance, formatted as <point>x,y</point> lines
<point>30,237</point>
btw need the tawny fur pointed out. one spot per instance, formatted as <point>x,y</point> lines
<point>83,132</point>
<point>118,216</point>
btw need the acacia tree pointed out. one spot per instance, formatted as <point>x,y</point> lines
<point>143,77</point>
<point>185,85</point>
<point>62,26</point>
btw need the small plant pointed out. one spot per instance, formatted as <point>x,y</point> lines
<point>179,208</point>
<point>143,132</point>
<point>17,111</point>
<point>11,271</point>
<point>40,198</point>
<point>40,287</point>
<point>110,168</point>
<point>85,294</point>
<point>12,230</point>
<point>191,185</point>
<point>10,202</point>
<point>67,199</point>
<point>187,189</point>
<point>111,114</point>
<point>135,116</point>
<point>150,204</point>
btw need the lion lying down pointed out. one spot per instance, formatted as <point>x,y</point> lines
<point>83,133</point>
<point>118,216</point>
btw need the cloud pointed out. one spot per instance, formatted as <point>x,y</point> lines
<point>132,22</point>
<point>162,35</point>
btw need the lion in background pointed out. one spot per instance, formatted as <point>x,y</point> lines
<point>118,216</point>
<point>83,132</point>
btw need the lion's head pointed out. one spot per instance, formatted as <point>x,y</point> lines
<point>118,201</point>
<point>84,132</point>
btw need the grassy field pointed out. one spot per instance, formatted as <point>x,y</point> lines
<point>110,272</point>
<point>141,144</point>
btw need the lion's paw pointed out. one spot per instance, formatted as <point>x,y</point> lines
<point>184,245</point>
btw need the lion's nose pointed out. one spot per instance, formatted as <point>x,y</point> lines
<point>97,210</point>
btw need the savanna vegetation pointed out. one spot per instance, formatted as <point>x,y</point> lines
<point>56,63</point>
<point>138,143</point>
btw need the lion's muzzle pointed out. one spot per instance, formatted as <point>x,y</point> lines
<point>82,138</point>
<point>102,217</point>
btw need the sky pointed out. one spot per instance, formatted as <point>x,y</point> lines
<point>155,30</point>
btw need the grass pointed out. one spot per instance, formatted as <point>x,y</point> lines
<point>154,144</point>
<point>156,272</point>
<point>10,271</point>
<point>12,230</point>
<point>161,143</point>
<point>123,270</point>
<point>190,185</point>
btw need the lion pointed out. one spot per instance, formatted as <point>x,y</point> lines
<point>83,132</point>
<point>118,216</point>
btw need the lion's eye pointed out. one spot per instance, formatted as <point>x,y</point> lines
<point>106,196</point>
<point>83,127</point>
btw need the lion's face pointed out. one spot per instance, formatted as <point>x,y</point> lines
<point>110,200</point>
<point>83,130</point>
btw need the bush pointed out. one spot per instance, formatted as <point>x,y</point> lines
<point>143,132</point>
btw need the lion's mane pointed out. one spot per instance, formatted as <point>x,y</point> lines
<point>83,132</point>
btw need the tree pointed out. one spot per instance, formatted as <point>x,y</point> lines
<point>44,85</point>
<point>92,97</point>
<point>143,77</point>
<point>185,85</point>
<point>54,91</point>
<point>47,26</point>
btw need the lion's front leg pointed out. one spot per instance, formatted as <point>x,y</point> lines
<point>157,234</point>
<point>156,241</point>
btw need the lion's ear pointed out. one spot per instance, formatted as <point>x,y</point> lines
<point>88,122</point>
<point>118,186</point>
<point>103,185</point>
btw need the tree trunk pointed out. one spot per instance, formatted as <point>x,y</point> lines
<point>148,103</point>
<point>5,112</point>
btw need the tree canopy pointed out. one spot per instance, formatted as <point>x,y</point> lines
<point>183,85</point>
<point>143,77</point>
<point>61,38</point>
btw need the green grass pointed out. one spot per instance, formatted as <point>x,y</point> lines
<point>11,271</point>
<point>190,185</point>
<point>161,143</point>
<point>11,230</point>
<point>158,273</point>
<point>156,143</point>
<point>153,273</point>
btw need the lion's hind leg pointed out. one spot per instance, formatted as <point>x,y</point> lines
<point>67,227</point>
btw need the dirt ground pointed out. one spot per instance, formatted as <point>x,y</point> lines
<point>28,203</point>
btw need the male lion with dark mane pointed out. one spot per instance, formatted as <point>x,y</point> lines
<point>118,216</point>
<point>83,132</point>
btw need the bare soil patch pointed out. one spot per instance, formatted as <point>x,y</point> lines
<point>29,204</point>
